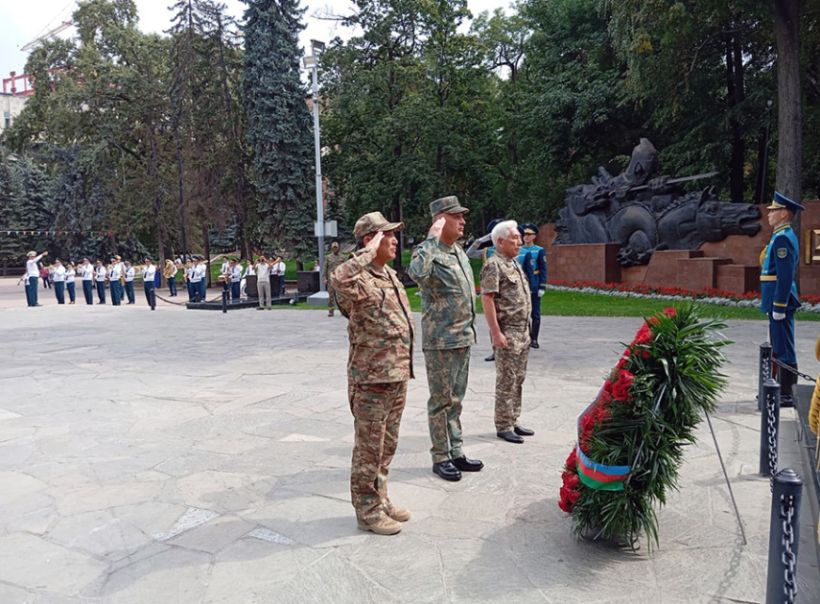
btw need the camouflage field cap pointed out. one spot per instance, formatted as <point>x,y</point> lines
<point>374,221</point>
<point>447,204</point>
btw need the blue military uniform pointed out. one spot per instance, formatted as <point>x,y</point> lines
<point>779,293</point>
<point>533,260</point>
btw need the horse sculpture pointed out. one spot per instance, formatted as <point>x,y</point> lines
<point>645,214</point>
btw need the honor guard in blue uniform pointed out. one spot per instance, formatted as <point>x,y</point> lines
<point>533,260</point>
<point>779,291</point>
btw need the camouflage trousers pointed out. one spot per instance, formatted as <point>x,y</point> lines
<point>331,296</point>
<point>510,371</point>
<point>447,373</point>
<point>377,410</point>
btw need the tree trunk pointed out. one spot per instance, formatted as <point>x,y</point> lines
<point>789,101</point>
<point>735,96</point>
<point>207,245</point>
<point>181,180</point>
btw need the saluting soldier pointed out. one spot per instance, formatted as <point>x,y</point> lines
<point>506,297</point>
<point>32,277</point>
<point>534,262</point>
<point>443,272</point>
<point>779,290</point>
<point>116,274</point>
<point>332,260</point>
<point>380,330</point>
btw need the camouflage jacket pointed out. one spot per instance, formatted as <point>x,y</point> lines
<point>447,287</point>
<point>331,262</point>
<point>505,278</point>
<point>380,326</point>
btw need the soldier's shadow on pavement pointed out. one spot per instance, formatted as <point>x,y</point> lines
<point>537,552</point>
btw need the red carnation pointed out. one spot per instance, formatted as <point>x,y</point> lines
<point>644,335</point>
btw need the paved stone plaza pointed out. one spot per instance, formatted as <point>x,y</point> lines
<point>195,457</point>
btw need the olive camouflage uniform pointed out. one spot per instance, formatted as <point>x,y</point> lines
<point>446,281</point>
<point>380,362</point>
<point>332,261</point>
<point>504,277</point>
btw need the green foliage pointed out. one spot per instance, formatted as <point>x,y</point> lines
<point>278,124</point>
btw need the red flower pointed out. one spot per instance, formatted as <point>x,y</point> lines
<point>568,499</point>
<point>643,336</point>
<point>571,461</point>
<point>620,390</point>
<point>571,480</point>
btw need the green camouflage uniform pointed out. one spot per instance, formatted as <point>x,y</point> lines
<point>331,262</point>
<point>380,362</point>
<point>504,277</point>
<point>447,288</point>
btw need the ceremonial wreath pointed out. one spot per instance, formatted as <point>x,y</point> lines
<point>631,438</point>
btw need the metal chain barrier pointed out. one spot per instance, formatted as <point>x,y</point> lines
<point>789,557</point>
<point>772,441</point>
<point>793,370</point>
<point>784,537</point>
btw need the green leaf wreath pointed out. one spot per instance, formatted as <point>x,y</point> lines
<point>631,438</point>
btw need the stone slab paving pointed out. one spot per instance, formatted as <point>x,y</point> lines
<point>184,456</point>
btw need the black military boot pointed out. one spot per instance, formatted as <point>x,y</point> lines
<point>535,328</point>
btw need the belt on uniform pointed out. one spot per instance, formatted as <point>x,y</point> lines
<point>768,277</point>
<point>515,326</point>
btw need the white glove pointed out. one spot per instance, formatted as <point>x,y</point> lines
<point>778,316</point>
<point>541,292</point>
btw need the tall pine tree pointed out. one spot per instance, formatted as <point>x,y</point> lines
<point>279,131</point>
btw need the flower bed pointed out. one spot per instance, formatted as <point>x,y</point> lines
<point>631,437</point>
<point>707,296</point>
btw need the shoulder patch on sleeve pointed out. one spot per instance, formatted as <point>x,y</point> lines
<point>782,252</point>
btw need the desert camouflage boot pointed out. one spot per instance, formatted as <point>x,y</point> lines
<point>381,525</point>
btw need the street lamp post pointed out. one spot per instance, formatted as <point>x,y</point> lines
<point>312,62</point>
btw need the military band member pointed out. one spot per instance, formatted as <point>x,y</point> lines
<point>380,363</point>
<point>114,277</point>
<point>87,273</point>
<point>170,274</point>
<point>149,272</point>
<point>129,283</point>
<point>533,259</point>
<point>236,279</point>
<point>58,276</point>
<point>506,297</point>
<point>332,260</point>
<point>445,278</point>
<point>70,282</point>
<point>100,275</point>
<point>33,277</point>
<point>779,290</point>
<point>201,271</point>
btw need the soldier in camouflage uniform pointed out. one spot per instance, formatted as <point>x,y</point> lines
<point>380,362</point>
<point>506,297</point>
<point>445,278</point>
<point>332,260</point>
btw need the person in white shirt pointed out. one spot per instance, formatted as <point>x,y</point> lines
<point>236,278</point>
<point>87,274</point>
<point>58,276</point>
<point>117,270</point>
<point>129,282</point>
<point>277,272</point>
<point>100,275</point>
<point>189,273</point>
<point>32,276</point>
<point>196,280</point>
<point>149,271</point>
<point>202,269</point>
<point>225,269</point>
<point>263,283</point>
<point>70,277</point>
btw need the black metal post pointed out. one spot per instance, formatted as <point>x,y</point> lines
<point>224,301</point>
<point>764,371</point>
<point>769,428</point>
<point>784,537</point>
